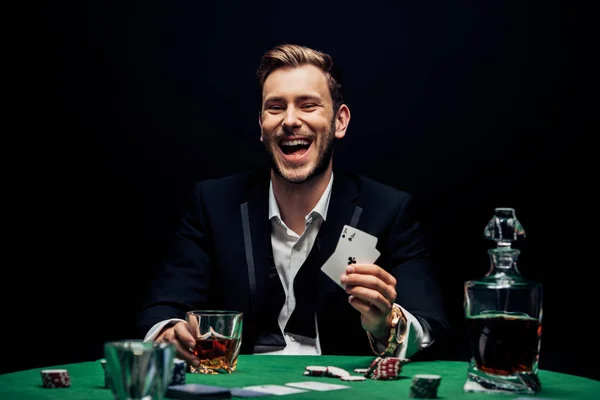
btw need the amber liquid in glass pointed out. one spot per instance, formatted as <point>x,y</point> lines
<point>216,353</point>
<point>502,344</point>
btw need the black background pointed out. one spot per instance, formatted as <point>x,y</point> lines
<point>120,106</point>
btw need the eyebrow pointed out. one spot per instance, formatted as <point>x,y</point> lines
<point>306,97</point>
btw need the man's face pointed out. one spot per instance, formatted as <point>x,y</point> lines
<point>298,123</point>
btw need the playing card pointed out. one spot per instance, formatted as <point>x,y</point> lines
<point>196,391</point>
<point>357,251</point>
<point>354,247</point>
<point>320,386</point>
<point>351,234</point>
<point>334,267</point>
<point>242,392</point>
<point>277,390</point>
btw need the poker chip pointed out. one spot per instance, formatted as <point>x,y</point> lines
<point>361,370</point>
<point>386,368</point>
<point>315,370</point>
<point>336,372</point>
<point>55,378</point>
<point>179,369</point>
<point>372,367</point>
<point>353,378</point>
<point>425,386</point>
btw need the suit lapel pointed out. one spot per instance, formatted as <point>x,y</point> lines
<point>260,231</point>
<point>341,210</point>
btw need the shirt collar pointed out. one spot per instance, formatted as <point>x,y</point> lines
<point>320,209</point>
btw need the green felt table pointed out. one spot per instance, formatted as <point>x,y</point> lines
<point>87,380</point>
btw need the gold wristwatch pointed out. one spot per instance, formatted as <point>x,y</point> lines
<point>398,328</point>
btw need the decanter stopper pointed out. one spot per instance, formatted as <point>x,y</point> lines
<point>504,227</point>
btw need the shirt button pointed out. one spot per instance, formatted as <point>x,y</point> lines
<point>296,247</point>
<point>292,338</point>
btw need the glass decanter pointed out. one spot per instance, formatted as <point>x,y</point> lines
<point>504,316</point>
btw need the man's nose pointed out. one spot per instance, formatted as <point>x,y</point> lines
<point>291,119</point>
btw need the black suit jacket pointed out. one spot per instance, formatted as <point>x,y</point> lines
<point>221,258</point>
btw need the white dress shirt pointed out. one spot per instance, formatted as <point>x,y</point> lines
<point>290,250</point>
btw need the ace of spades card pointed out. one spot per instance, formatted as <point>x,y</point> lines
<point>354,247</point>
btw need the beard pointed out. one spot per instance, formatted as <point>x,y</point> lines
<point>324,156</point>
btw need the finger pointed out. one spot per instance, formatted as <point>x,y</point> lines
<point>182,347</point>
<point>370,282</point>
<point>187,342</point>
<point>186,354</point>
<point>183,334</point>
<point>362,306</point>
<point>371,316</point>
<point>371,297</point>
<point>161,337</point>
<point>374,270</point>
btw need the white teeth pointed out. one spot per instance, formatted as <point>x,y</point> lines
<point>297,142</point>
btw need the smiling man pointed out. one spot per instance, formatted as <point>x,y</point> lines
<point>255,242</point>
<point>299,123</point>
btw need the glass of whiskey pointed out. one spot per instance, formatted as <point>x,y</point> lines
<point>218,335</point>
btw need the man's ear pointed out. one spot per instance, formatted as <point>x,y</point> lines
<point>341,121</point>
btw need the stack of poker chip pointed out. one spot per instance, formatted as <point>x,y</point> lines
<point>55,378</point>
<point>425,386</point>
<point>385,368</point>
<point>179,370</point>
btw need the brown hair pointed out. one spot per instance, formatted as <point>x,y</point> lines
<point>291,55</point>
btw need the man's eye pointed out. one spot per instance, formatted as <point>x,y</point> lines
<point>275,107</point>
<point>309,105</point>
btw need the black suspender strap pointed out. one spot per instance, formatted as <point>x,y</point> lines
<point>248,249</point>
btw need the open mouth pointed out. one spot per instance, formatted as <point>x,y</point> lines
<point>295,148</point>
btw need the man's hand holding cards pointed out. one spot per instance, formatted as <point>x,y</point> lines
<point>372,290</point>
<point>354,247</point>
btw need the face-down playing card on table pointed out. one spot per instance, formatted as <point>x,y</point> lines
<point>319,386</point>
<point>354,247</point>
<point>277,390</point>
<point>289,388</point>
<point>194,391</point>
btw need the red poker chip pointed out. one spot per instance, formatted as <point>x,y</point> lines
<point>375,362</point>
<point>336,372</point>
<point>315,370</point>
<point>55,378</point>
<point>372,367</point>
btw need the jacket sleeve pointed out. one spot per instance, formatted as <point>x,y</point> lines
<point>417,287</point>
<point>183,279</point>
